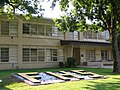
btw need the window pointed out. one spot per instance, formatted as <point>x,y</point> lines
<point>73,35</point>
<point>41,54</point>
<point>90,34</point>
<point>40,29</point>
<point>26,54</point>
<point>33,54</point>
<point>48,30</point>
<point>4,54</point>
<point>104,55</point>
<point>55,32</point>
<point>33,29</point>
<point>9,28</point>
<point>90,55</point>
<point>52,54</point>
<point>26,28</point>
<point>4,28</point>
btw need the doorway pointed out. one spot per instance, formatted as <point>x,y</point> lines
<point>76,55</point>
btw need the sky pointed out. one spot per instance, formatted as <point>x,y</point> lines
<point>56,12</point>
<point>49,12</point>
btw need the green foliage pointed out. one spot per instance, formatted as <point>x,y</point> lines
<point>104,15</point>
<point>100,12</point>
<point>71,62</point>
<point>27,7</point>
<point>61,64</point>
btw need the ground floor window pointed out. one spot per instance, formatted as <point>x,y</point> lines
<point>90,55</point>
<point>41,54</point>
<point>104,55</point>
<point>4,54</point>
<point>52,54</point>
<point>8,54</point>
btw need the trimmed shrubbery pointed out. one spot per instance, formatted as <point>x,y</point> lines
<point>61,64</point>
<point>70,62</point>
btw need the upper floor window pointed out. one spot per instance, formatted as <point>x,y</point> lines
<point>4,28</point>
<point>26,28</point>
<point>9,28</point>
<point>73,35</point>
<point>40,29</point>
<point>37,29</point>
<point>92,35</point>
<point>48,30</point>
<point>89,35</point>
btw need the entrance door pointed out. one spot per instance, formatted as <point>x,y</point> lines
<point>76,55</point>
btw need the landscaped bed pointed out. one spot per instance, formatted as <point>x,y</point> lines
<point>39,78</point>
<point>111,83</point>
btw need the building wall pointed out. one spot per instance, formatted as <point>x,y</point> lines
<point>16,41</point>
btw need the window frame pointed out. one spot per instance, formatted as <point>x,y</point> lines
<point>104,55</point>
<point>90,55</point>
<point>8,58</point>
<point>5,27</point>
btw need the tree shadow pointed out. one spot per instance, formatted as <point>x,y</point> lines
<point>7,80</point>
<point>93,85</point>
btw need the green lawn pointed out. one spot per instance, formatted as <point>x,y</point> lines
<point>111,83</point>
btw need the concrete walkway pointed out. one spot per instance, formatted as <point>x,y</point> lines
<point>96,66</point>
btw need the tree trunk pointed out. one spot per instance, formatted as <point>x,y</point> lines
<point>114,43</point>
<point>115,51</point>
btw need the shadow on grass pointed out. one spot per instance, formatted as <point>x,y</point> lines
<point>5,75</point>
<point>109,85</point>
<point>7,80</point>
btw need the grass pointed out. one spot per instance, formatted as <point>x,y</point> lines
<point>111,83</point>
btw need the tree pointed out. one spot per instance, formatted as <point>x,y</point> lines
<point>104,15</point>
<point>26,7</point>
<point>118,41</point>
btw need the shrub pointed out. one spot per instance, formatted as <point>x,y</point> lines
<point>61,64</point>
<point>71,62</point>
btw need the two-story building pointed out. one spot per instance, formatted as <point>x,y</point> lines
<point>36,43</point>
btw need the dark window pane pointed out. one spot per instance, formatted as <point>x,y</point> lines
<point>26,54</point>
<point>4,54</point>
<point>4,28</point>
<point>26,29</point>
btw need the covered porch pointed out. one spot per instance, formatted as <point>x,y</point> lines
<point>88,53</point>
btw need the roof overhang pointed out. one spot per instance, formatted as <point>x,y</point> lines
<point>79,43</point>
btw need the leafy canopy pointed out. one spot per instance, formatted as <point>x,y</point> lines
<point>102,13</point>
<point>26,7</point>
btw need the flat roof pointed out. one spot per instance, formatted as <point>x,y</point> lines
<point>78,42</point>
